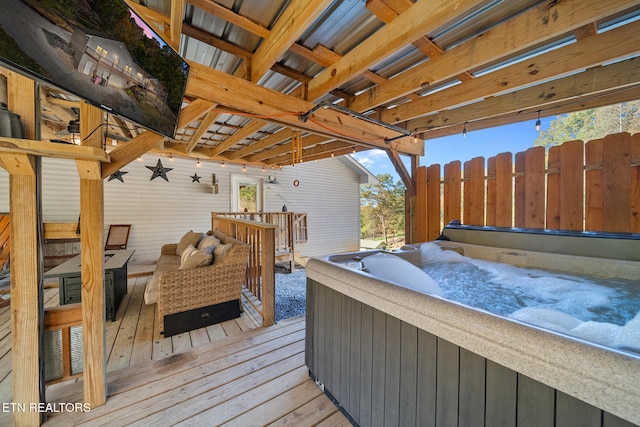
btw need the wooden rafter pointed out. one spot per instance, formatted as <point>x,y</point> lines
<point>247,130</point>
<point>609,46</point>
<point>392,37</point>
<point>215,41</point>
<point>263,144</point>
<point>597,80</point>
<point>387,13</point>
<point>177,14</point>
<point>231,17</point>
<point>481,51</point>
<point>553,109</point>
<point>249,98</point>
<point>284,149</point>
<point>405,176</point>
<point>289,27</point>
<point>206,122</point>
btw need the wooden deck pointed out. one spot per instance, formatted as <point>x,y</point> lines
<point>232,373</point>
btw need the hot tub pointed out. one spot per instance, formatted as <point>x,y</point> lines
<point>389,355</point>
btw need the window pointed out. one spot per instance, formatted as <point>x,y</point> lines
<point>246,194</point>
<point>101,51</point>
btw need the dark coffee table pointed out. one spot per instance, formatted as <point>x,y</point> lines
<point>115,280</point>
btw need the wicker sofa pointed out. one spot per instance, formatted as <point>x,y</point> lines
<point>191,297</point>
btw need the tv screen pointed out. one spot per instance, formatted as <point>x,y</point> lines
<point>99,50</point>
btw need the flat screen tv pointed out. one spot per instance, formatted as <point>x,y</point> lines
<point>99,50</point>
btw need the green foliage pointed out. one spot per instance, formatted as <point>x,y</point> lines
<point>382,209</point>
<point>592,124</point>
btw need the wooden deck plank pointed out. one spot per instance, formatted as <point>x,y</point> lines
<point>222,350</point>
<point>248,373</point>
<point>234,386</point>
<point>335,420</point>
<point>161,401</point>
<point>256,396</point>
<point>120,355</point>
<point>143,341</point>
<point>311,413</point>
<point>272,409</point>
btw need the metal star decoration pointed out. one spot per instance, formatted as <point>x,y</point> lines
<point>195,178</point>
<point>159,171</point>
<point>117,175</point>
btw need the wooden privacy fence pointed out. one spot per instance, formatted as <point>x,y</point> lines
<point>259,282</point>
<point>592,187</point>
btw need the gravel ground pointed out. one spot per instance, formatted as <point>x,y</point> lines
<point>291,294</point>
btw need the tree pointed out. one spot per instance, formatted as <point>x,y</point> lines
<point>592,124</point>
<point>382,212</point>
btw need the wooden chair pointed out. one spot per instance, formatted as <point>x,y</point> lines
<point>118,237</point>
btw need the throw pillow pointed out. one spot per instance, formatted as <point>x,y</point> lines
<point>221,251</point>
<point>186,253</point>
<point>208,241</point>
<point>196,259</point>
<point>190,238</point>
<point>151,291</point>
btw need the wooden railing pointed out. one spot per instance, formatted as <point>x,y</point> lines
<point>260,279</point>
<point>592,187</point>
<point>62,318</point>
<point>291,229</point>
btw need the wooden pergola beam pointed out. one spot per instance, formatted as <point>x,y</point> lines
<point>307,141</point>
<point>206,122</point>
<point>51,149</point>
<point>611,45</point>
<point>288,28</point>
<point>418,20</point>
<point>175,29</point>
<point>263,144</point>
<point>480,51</point>
<point>246,97</point>
<point>591,82</point>
<point>231,17</point>
<point>247,130</point>
<point>405,175</point>
<point>567,106</point>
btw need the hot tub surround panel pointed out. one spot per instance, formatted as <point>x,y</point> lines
<point>580,379</point>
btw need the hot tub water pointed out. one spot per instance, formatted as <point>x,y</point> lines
<point>604,311</point>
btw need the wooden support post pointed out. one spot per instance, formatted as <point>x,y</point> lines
<point>92,255</point>
<point>267,265</point>
<point>25,311</point>
<point>25,307</point>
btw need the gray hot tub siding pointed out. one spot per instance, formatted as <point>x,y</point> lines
<point>383,371</point>
<point>393,356</point>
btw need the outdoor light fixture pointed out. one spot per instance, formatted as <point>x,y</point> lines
<point>464,130</point>
<point>222,165</point>
<point>198,163</point>
<point>244,168</point>
<point>538,123</point>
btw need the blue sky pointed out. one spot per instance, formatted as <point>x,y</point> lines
<point>487,142</point>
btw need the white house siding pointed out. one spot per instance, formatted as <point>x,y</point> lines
<point>161,212</point>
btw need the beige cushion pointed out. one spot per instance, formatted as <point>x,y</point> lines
<point>190,238</point>
<point>208,241</point>
<point>151,291</point>
<point>187,253</point>
<point>221,251</point>
<point>196,259</point>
